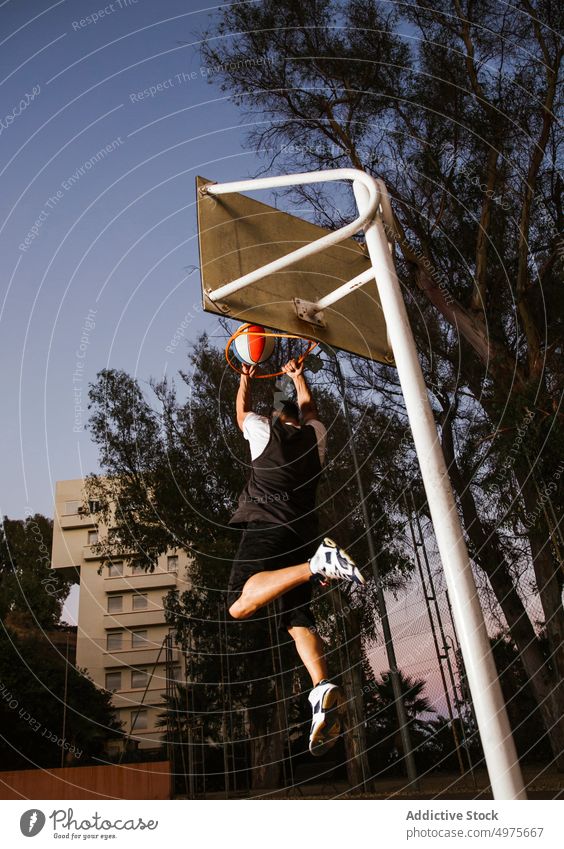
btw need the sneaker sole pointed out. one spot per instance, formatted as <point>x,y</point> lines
<point>328,732</point>
<point>358,577</point>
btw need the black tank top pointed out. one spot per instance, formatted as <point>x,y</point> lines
<point>283,481</point>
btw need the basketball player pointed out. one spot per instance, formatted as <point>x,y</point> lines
<point>279,557</point>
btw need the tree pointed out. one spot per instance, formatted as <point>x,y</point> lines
<point>34,705</point>
<point>459,121</point>
<point>385,741</point>
<point>29,587</point>
<point>441,752</point>
<point>40,716</point>
<point>532,744</point>
<point>181,719</point>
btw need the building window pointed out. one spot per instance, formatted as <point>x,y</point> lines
<point>140,601</point>
<point>71,507</point>
<point>115,570</point>
<point>172,563</point>
<point>138,569</point>
<point>139,678</point>
<point>114,535</point>
<point>176,673</point>
<point>114,640</point>
<point>139,719</point>
<point>93,505</point>
<point>113,680</point>
<point>92,537</point>
<point>115,603</point>
<point>139,639</point>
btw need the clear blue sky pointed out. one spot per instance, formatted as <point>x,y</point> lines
<point>109,244</point>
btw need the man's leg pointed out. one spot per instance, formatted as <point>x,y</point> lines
<point>264,587</point>
<point>267,585</point>
<point>326,698</point>
<point>311,650</point>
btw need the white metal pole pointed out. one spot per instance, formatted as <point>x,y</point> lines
<point>495,732</point>
<point>344,290</point>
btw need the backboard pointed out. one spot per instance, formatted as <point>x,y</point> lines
<point>238,234</point>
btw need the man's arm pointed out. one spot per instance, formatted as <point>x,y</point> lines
<point>243,402</point>
<point>305,399</point>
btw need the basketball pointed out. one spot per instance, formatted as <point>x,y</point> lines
<point>251,347</point>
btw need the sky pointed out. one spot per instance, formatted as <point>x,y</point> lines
<point>105,123</point>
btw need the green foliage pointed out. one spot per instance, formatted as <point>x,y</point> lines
<point>383,736</point>
<point>28,585</point>
<point>33,702</point>
<point>531,741</point>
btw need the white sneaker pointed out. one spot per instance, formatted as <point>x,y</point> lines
<point>334,563</point>
<point>327,702</point>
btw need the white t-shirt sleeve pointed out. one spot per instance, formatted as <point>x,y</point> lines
<point>256,430</point>
<point>321,433</point>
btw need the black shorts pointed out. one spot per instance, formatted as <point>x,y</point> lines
<point>265,547</point>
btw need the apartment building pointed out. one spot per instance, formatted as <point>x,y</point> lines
<point>121,623</point>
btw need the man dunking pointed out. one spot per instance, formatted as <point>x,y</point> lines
<point>279,557</point>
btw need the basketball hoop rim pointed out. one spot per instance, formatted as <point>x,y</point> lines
<point>276,334</point>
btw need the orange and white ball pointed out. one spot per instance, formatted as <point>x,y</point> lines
<point>252,347</point>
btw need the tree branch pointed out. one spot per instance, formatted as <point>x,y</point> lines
<point>478,301</point>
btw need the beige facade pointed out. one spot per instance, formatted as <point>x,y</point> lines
<point>121,623</point>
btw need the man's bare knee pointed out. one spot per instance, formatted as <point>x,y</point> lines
<point>241,609</point>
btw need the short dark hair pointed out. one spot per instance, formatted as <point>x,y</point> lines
<point>289,408</point>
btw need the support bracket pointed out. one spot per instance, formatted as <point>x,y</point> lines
<point>309,311</point>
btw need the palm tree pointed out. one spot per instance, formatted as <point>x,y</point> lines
<point>381,717</point>
<point>178,720</point>
<point>175,718</point>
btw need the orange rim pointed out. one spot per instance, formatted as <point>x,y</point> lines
<point>271,333</point>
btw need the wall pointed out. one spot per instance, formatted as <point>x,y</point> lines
<point>124,781</point>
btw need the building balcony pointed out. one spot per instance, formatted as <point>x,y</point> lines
<point>134,618</point>
<point>77,520</point>
<point>137,657</point>
<point>68,571</point>
<point>132,698</point>
<point>146,581</point>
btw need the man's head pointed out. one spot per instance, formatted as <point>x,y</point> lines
<point>286,411</point>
